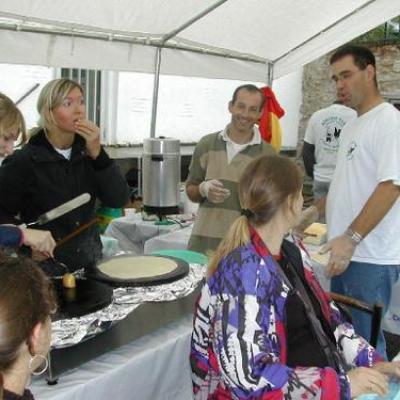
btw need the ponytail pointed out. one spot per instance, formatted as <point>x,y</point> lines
<point>238,235</point>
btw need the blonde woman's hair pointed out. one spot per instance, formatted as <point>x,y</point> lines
<point>11,118</point>
<point>267,183</point>
<point>52,96</point>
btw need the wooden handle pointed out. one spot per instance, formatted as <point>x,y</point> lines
<point>76,232</point>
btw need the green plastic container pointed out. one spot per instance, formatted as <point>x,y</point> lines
<point>106,215</point>
<point>191,257</point>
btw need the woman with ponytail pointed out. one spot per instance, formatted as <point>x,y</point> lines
<point>263,327</point>
<point>26,302</point>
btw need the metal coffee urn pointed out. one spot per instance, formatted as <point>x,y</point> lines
<point>161,175</point>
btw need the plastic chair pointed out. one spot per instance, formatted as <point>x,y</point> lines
<point>375,310</point>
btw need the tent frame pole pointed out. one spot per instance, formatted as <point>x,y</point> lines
<point>270,76</point>
<point>156,83</point>
<point>157,67</point>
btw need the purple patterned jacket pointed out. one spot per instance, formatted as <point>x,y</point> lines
<point>238,348</point>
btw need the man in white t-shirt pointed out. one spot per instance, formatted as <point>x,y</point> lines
<point>321,144</point>
<point>363,206</point>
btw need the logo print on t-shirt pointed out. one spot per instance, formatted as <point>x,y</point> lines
<point>335,135</point>
<point>351,149</point>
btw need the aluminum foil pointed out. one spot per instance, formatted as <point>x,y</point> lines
<point>67,332</point>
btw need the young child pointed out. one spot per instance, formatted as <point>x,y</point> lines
<point>12,126</point>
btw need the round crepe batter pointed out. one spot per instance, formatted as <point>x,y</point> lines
<point>136,267</point>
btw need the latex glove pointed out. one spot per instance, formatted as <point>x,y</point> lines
<point>342,249</point>
<point>214,191</point>
<point>91,133</point>
<point>308,216</point>
<point>367,380</point>
<point>39,241</point>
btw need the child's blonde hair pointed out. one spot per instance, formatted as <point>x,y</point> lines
<point>11,119</point>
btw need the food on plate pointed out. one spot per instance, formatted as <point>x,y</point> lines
<point>69,281</point>
<point>315,234</point>
<point>320,258</point>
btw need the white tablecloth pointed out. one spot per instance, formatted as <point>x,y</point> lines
<point>176,240</point>
<point>155,366</point>
<point>132,232</point>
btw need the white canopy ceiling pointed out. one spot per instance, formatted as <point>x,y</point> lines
<point>236,39</point>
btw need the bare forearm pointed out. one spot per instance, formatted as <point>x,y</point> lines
<point>377,206</point>
<point>193,193</point>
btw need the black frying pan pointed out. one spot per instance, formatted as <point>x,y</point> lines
<point>88,296</point>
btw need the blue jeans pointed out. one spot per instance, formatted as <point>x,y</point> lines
<point>320,189</point>
<point>371,283</point>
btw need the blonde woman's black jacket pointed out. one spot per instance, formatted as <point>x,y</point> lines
<point>36,179</point>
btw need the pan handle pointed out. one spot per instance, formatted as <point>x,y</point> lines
<point>76,232</point>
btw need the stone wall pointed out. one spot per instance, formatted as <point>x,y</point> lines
<point>319,90</point>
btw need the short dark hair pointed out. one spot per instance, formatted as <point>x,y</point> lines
<point>250,88</point>
<point>362,56</point>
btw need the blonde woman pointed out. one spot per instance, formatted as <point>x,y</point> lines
<point>63,159</point>
<point>264,328</point>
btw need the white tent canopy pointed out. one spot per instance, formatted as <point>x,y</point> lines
<point>230,39</point>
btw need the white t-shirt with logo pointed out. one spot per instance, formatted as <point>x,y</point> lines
<point>369,153</point>
<point>324,132</point>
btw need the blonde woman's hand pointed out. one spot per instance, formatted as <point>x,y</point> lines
<point>39,241</point>
<point>91,133</point>
<point>367,380</point>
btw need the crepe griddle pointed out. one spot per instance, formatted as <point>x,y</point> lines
<point>181,270</point>
<point>88,296</point>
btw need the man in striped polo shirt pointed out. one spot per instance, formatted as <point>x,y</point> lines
<point>218,160</point>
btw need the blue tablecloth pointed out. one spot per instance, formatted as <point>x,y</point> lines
<point>394,393</point>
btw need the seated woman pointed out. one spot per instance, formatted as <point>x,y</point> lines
<point>25,292</point>
<point>264,328</point>
<point>63,159</point>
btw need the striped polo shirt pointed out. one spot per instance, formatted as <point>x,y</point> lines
<point>210,161</point>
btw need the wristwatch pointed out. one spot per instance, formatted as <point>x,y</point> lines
<point>354,236</point>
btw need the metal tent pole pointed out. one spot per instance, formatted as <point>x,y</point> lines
<point>155,93</point>
<point>157,68</point>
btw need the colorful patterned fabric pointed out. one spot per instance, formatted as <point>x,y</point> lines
<point>238,348</point>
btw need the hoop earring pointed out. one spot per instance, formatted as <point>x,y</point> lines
<point>33,359</point>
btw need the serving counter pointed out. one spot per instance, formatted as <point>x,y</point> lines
<point>144,319</point>
<point>154,366</point>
